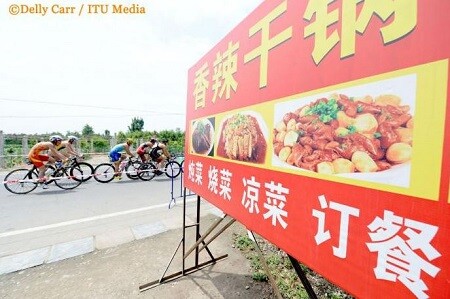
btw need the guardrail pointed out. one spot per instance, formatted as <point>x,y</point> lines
<point>12,161</point>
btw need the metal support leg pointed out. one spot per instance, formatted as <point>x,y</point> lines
<point>301,274</point>
<point>266,268</point>
<point>199,240</point>
<point>197,230</point>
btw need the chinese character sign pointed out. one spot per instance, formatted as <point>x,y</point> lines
<point>324,126</point>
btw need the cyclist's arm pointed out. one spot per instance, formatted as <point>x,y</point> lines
<point>70,150</point>
<point>127,150</point>
<point>56,154</point>
<point>166,152</point>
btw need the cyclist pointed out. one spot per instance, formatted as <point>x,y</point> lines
<point>66,147</point>
<point>145,148</point>
<point>160,153</point>
<point>116,156</point>
<point>38,158</point>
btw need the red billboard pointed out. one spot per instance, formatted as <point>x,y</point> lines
<point>324,126</point>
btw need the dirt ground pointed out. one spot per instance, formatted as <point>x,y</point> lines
<point>119,271</point>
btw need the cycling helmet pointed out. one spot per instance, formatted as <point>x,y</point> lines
<point>152,140</point>
<point>129,141</point>
<point>72,138</point>
<point>55,138</point>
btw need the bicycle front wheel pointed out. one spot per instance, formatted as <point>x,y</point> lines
<point>147,172</point>
<point>172,169</point>
<point>20,181</point>
<point>104,173</point>
<point>132,170</point>
<point>82,171</point>
<point>65,181</point>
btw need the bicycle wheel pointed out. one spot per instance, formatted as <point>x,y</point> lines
<point>172,169</point>
<point>132,170</point>
<point>49,169</point>
<point>84,171</point>
<point>20,181</point>
<point>182,166</point>
<point>65,181</point>
<point>147,172</point>
<point>104,173</point>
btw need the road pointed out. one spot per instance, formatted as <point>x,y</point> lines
<point>92,216</point>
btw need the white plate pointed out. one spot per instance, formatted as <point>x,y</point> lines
<point>204,121</point>
<point>404,87</point>
<point>262,125</point>
<point>256,115</point>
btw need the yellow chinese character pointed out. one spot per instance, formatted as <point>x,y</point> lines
<point>217,76</point>
<point>324,19</point>
<point>225,66</point>
<point>201,85</point>
<point>266,42</point>
<point>404,22</point>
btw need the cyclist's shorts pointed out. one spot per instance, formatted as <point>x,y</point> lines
<point>114,156</point>
<point>38,160</point>
<point>155,156</point>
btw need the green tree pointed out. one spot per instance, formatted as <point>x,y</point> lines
<point>87,131</point>
<point>137,124</point>
<point>121,137</point>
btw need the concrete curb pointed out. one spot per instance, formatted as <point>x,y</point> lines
<point>62,251</point>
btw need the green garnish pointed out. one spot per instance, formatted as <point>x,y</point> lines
<point>377,135</point>
<point>351,129</point>
<point>359,108</point>
<point>326,110</point>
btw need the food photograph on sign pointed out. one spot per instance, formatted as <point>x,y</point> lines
<point>203,137</point>
<point>242,137</point>
<point>363,132</point>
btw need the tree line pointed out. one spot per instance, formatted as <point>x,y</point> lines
<point>90,141</point>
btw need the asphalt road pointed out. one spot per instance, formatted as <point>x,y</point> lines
<point>108,214</point>
<point>43,207</point>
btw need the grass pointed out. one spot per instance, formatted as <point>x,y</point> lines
<point>283,272</point>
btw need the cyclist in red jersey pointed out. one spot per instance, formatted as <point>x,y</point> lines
<point>145,148</point>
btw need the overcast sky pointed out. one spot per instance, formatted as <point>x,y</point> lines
<point>61,72</point>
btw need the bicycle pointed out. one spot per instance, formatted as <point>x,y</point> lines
<point>149,169</point>
<point>86,169</point>
<point>25,180</point>
<point>105,172</point>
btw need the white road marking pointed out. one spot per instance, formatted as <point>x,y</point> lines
<point>83,220</point>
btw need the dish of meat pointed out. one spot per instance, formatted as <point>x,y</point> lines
<point>243,137</point>
<point>348,136</point>
<point>202,136</point>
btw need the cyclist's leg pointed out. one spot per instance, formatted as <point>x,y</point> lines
<point>162,161</point>
<point>38,161</point>
<point>115,160</point>
<point>117,165</point>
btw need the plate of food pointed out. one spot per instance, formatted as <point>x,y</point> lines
<point>202,138</point>
<point>358,133</point>
<point>243,137</point>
